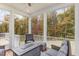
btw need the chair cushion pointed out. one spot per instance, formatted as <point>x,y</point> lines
<point>64,42</point>
<point>1,52</point>
<point>51,52</point>
<point>60,53</point>
<point>27,45</point>
<point>44,54</point>
<point>63,49</point>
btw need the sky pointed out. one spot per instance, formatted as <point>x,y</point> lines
<point>2,14</point>
<point>59,11</point>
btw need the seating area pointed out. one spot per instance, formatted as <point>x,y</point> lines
<point>40,49</point>
<point>32,48</point>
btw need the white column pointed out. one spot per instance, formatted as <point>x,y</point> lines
<point>77,28</point>
<point>45,27</point>
<point>29,26</point>
<point>38,23</point>
<point>38,17</point>
<point>11,30</point>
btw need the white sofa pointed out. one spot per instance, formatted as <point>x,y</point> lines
<point>30,49</point>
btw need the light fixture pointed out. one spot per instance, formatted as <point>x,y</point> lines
<point>28,7</point>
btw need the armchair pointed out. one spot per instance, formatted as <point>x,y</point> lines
<point>29,38</point>
<point>2,50</point>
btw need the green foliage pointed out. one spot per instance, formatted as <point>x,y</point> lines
<point>21,26</point>
<point>4,27</point>
<point>64,24</point>
<point>37,29</point>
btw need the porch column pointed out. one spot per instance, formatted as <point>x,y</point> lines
<point>45,27</point>
<point>29,26</point>
<point>38,23</point>
<point>11,30</point>
<point>77,28</point>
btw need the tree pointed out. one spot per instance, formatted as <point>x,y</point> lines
<point>62,24</point>
<point>66,22</point>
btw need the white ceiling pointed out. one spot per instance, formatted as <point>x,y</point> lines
<point>34,9</point>
<point>23,7</point>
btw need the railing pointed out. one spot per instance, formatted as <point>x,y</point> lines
<point>40,37</point>
<point>36,37</point>
<point>4,35</point>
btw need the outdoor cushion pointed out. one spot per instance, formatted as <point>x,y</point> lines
<point>63,49</point>
<point>1,52</point>
<point>27,45</point>
<point>44,54</point>
<point>64,42</point>
<point>51,52</point>
<point>60,53</point>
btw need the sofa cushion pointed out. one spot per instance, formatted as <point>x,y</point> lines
<point>60,53</point>
<point>1,52</point>
<point>51,52</point>
<point>63,49</point>
<point>64,42</point>
<point>27,45</point>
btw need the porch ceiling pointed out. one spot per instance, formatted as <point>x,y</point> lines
<point>35,7</point>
